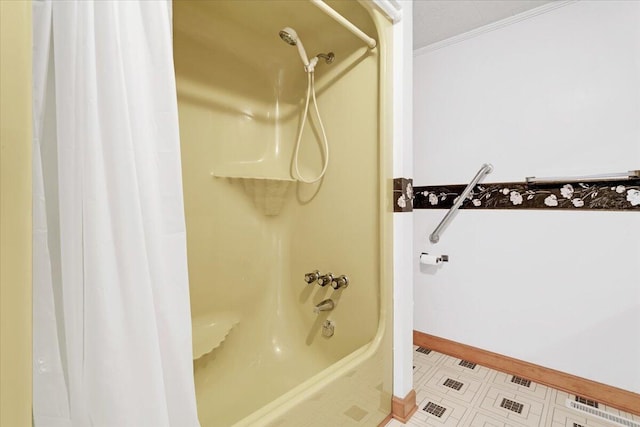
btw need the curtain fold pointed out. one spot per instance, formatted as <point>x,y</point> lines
<point>112,324</point>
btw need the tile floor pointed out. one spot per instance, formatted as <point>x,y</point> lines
<point>453,392</point>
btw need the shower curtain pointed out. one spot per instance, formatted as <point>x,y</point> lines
<point>112,326</point>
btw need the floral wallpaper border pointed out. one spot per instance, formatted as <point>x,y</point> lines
<point>403,195</point>
<point>622,195</point>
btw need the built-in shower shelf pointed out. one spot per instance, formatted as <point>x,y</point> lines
<point>268,194</point>
<point>210,331</point>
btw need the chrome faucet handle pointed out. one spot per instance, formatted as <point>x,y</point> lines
<point>340,282</point>
<point>325,279</point>
<point>311,277</point>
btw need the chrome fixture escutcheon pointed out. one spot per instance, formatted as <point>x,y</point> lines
<point>328,328</point>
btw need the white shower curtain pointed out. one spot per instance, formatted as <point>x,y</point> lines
<point>112,326</point>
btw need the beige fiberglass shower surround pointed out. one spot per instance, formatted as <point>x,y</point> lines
<point>263,355</point>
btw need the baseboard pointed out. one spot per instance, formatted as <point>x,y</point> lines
<point>403,408</point>
<point>611,396</point>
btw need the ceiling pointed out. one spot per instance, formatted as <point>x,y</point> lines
<point>436,20</point>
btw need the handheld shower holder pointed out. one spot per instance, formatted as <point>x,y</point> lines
<point>328,59</point>
<point>311,66</point>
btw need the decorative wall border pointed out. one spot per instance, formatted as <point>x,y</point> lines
<point>403,195</point>
<point>619,195</point>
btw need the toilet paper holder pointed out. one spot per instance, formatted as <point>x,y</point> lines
<point>441,258</point>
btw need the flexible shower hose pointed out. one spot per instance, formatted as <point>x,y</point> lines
<point>311,93</point>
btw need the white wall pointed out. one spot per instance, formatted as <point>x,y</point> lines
<point>557,94</point>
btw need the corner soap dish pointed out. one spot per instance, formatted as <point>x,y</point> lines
<point>210,331</point>
<point>268,194</point>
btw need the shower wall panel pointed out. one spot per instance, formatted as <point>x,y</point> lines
<point>241,93</point>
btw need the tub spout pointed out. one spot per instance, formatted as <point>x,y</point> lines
<point>324,305</point>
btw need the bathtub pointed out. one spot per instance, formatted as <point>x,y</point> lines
<point>262,357</point>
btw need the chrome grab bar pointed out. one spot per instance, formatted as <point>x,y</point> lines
<point>485,169</point>
<point>601,177</point>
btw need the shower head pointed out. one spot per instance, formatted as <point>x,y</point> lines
<point>290,36</point>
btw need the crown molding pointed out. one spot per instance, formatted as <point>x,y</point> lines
<point>532,13</point>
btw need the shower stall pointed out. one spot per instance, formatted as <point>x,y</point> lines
<point>264,354</point>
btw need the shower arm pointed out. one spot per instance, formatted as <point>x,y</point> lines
<point>328,57</point>
<point>370,42</point>
<point>485,169</point>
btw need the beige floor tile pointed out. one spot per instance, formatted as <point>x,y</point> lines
<point>476,396</point>
<point>453,384</point>
<point>481,420</point>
